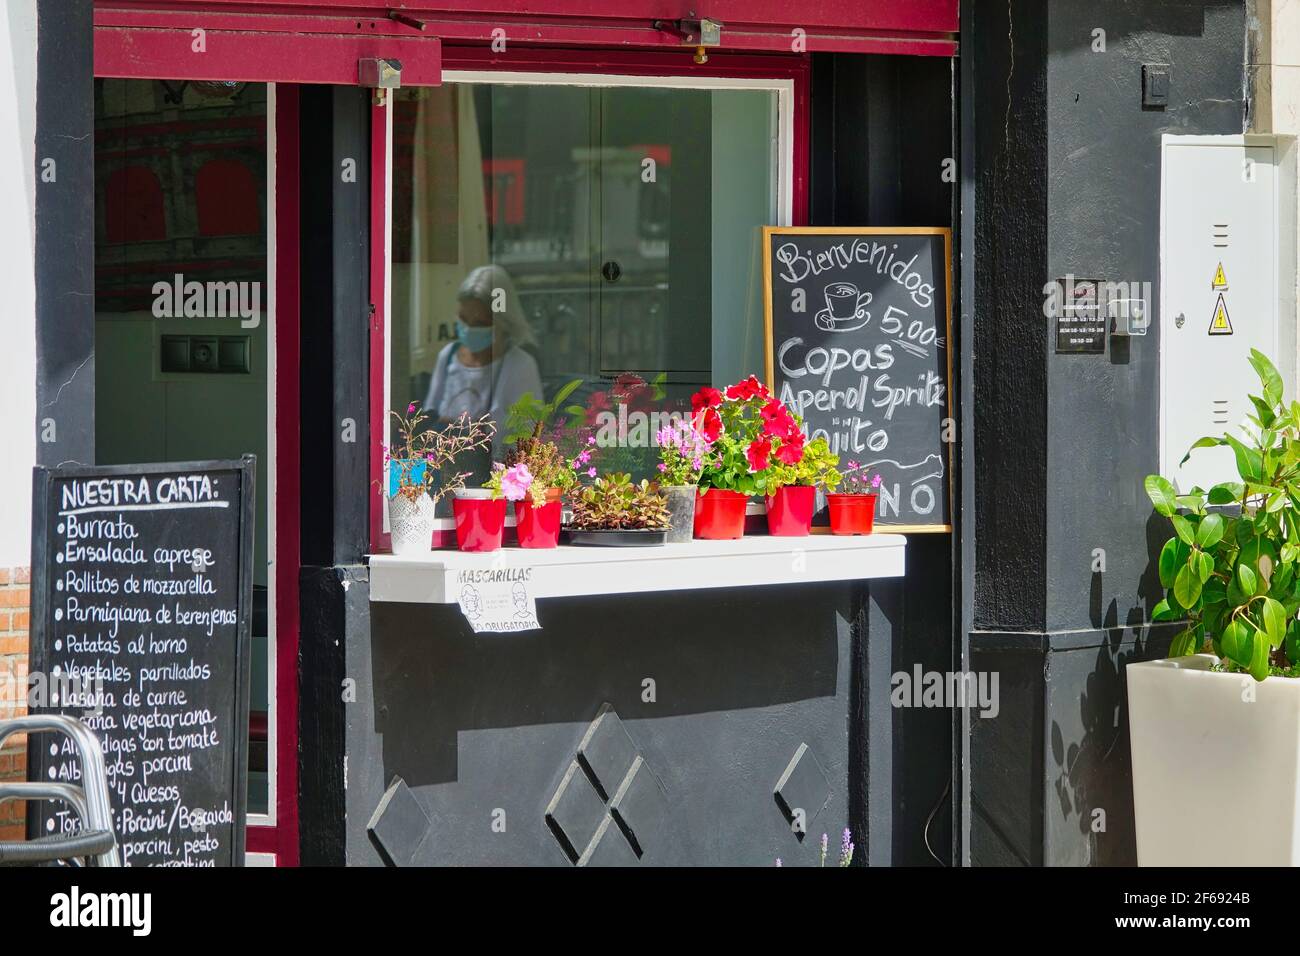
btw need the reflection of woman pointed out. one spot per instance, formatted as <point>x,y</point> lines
<point>486,369</point>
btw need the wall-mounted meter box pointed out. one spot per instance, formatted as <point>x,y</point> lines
<point>1227,285</point>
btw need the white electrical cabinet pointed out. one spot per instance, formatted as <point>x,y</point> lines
<point>1227,210</point>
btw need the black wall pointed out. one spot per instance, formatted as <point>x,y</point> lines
<point>334,382</point>
<point>1066,175</point>
<point>883,129</point>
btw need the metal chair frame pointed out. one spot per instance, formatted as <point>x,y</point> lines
<point>90,800</point>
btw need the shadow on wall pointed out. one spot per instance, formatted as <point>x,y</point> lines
<point>651,657</point>
<point>1091,772</point>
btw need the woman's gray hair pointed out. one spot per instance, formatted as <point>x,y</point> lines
<point>492,286</point>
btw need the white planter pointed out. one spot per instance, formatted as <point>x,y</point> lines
<point>1216,775</point>
<point>411,523</point>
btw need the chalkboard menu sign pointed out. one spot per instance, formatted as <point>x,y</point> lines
<point>858,323</point>
<point>141,616</point>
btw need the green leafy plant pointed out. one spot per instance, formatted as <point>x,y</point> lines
<point>617,502</point>
<point>817,466</point>
<point>1231,573</point>
<point>528,415</point>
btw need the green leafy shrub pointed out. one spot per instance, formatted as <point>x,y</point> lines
<point>817,466</point>
<point>1231,572</point>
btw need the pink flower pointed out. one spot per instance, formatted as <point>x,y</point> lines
<point>875,481</point>
<point>662,466</point>
<point>516,481</point>
<point>591,472</point>
<point>410,409</point>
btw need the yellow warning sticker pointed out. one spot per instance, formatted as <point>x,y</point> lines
<point>1220,279</point>
<point>1221,324</point>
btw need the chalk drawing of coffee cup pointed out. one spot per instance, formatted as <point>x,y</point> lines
<point>846,308</point>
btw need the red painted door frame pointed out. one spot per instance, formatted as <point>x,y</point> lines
<point>282,838</point>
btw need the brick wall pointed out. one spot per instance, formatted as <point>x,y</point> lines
<point>14,604</point>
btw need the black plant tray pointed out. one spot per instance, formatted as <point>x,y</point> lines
<point>617,538</point>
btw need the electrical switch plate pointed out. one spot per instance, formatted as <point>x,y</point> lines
<point>233,353</point>
<point>1155,84</point>
<point>174,353</point>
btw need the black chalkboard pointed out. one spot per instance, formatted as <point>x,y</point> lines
<point>858,324</point>
<point>141,617</point>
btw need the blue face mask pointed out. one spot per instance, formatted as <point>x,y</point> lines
<point>476,338</point>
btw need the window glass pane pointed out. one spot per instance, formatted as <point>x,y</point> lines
<point>180,196</point>
<point>544,234</point>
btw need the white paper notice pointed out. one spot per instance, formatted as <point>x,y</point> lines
<point>498,601</point>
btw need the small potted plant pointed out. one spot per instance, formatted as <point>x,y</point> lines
<point>745,425</point>
<point>797,468</point>
<point>1214,729</point>
<point>615,511</point>
<point>535,476</point>
<point>420,472</point>
<point>682,450</point>
<point>853,504</point>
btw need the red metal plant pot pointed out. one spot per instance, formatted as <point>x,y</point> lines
<point>538,526</point>
<point>851,514</point>
<point>480,523</point>
<point>720,515</point>
<point>790,510</point>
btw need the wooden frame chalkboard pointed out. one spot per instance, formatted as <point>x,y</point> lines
<point>50,604</point>
<point>773,234</point>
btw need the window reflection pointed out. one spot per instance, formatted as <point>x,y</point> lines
<point>544,234</point>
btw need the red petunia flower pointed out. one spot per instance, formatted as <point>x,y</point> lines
<point>791,449</point>
<point>777,420</point>
<point>748,388</point>
<point>706,398</point>
<point>758,452</point>
<point>598,402</point>
<point>629,382</point>
<point>711,426</point>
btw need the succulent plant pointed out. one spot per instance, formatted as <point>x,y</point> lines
<point>616,502</point>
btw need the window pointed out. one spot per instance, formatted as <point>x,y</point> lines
<point>600,229</point>
<point>205,173</point>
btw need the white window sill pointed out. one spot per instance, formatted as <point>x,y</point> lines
<point>569,571</point>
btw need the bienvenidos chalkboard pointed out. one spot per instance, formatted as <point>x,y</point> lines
<point>142,594</point>
<point>858,321</point>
